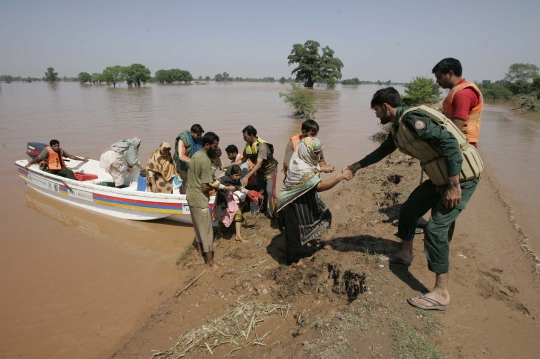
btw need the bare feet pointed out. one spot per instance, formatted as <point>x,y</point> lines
<point>240,239</point>
<point>215,265</point>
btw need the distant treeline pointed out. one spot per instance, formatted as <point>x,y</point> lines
<point>356,81</point>
<point>521,83</point>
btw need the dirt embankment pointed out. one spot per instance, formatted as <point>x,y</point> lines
<point>347,303</point>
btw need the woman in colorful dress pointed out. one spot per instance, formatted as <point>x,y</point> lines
<point>301,211</point>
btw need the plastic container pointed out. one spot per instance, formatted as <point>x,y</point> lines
<point>141,183</point>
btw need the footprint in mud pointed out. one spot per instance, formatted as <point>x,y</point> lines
<point>491,285</point>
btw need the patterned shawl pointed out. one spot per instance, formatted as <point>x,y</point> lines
<point>162,163</point>
<point>303,171</point>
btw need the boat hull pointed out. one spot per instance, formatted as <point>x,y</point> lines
<point>127,203</point>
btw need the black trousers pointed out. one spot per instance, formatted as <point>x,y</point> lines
<point>293,245</point>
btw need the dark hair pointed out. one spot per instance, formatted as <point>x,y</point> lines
<point>54,142</point>
<point>251,131</point>
<point>445,65</point>
<point>196,128</point>
<point>310,126</point>
<point>231,149</point>
<point>210,138</point>
<point>387,95</point>
<point>218,152</point>
<point>236,170</point>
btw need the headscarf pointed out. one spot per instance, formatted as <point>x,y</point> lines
<point>304,159</point>
<point>303,171</point>
<point>195,145</point>
<point>227,179</point>
<point>130,150</point>
<point>162,163</point>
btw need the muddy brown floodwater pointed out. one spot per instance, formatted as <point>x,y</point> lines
<point>78,284</point>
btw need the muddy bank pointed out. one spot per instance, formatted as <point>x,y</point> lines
<point>347,303</point>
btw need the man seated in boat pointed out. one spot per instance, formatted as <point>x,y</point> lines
<point>52,160</point>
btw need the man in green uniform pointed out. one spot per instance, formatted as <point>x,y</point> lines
<point>199,185</point>
<point>445,201</point>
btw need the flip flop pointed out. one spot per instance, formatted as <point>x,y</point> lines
<point>392,259</point>
<point>435,304</point>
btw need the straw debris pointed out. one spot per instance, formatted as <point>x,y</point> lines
<point>237,328</point>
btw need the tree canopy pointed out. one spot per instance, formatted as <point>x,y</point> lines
<point>136,74</point>
<point>421,90</point>
<point>314,67</point>
<point>113,75</point>
<point>84,77</point>
<point>520,76</point>
<point>302,101</point>
<point>173,75</point>
<point>50,75</point>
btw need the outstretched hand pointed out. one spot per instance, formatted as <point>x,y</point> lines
<point>244,181</point>
<point>347,174</point>
<point>328,169</point>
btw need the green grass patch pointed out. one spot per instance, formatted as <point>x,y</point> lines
<point>409,343</point>
<point>184,256</point>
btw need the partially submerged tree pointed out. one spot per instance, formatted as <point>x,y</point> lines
<point>50,75</point>
<point>313,67</point>
<point>84,77</point>
<point>97,78</point>
<point>421,90</point>
<point>302,101</point>
<point>136,74</point>
<point>113,75</point>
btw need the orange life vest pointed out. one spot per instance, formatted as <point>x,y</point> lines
<point>55,162</point>
<point>471,127</point>
<point>295,140</point>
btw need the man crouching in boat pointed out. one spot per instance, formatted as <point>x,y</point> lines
<point>53,160</point>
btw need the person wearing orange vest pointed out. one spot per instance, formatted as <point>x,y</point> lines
<point>53,158</point>
<point>464,103</point>
<point>310,128</point>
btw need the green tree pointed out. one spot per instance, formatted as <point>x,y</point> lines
<point>50,75</point>
<point>282,80</point>
<point>28,79</point>
<point>313,67</point>
<point>113,75</point>
<point>218,78</point>
<point>97,78</point>
<point>300,98</point>
<point>136,74</point>
<point>421,90</point>
<point>536,85</point>
<point>84,77</point>
<point>520,76</point>
<point>7,78</point>
<point>496,91</point>
<point>226,76</point>
<point>207,78</point>
<point>354,81</point>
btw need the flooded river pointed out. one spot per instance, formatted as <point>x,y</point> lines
<point>76,283</point>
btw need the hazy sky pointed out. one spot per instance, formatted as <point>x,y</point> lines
<point>376,40</point>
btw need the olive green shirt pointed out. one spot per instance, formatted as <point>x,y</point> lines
<point>199,172</point>
<point>431,133</point>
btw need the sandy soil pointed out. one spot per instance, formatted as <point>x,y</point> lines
<point>349,304</point>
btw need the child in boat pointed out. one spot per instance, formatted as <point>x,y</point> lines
<point>226,210</point>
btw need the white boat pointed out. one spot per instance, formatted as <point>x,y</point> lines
<point>96,195</point>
